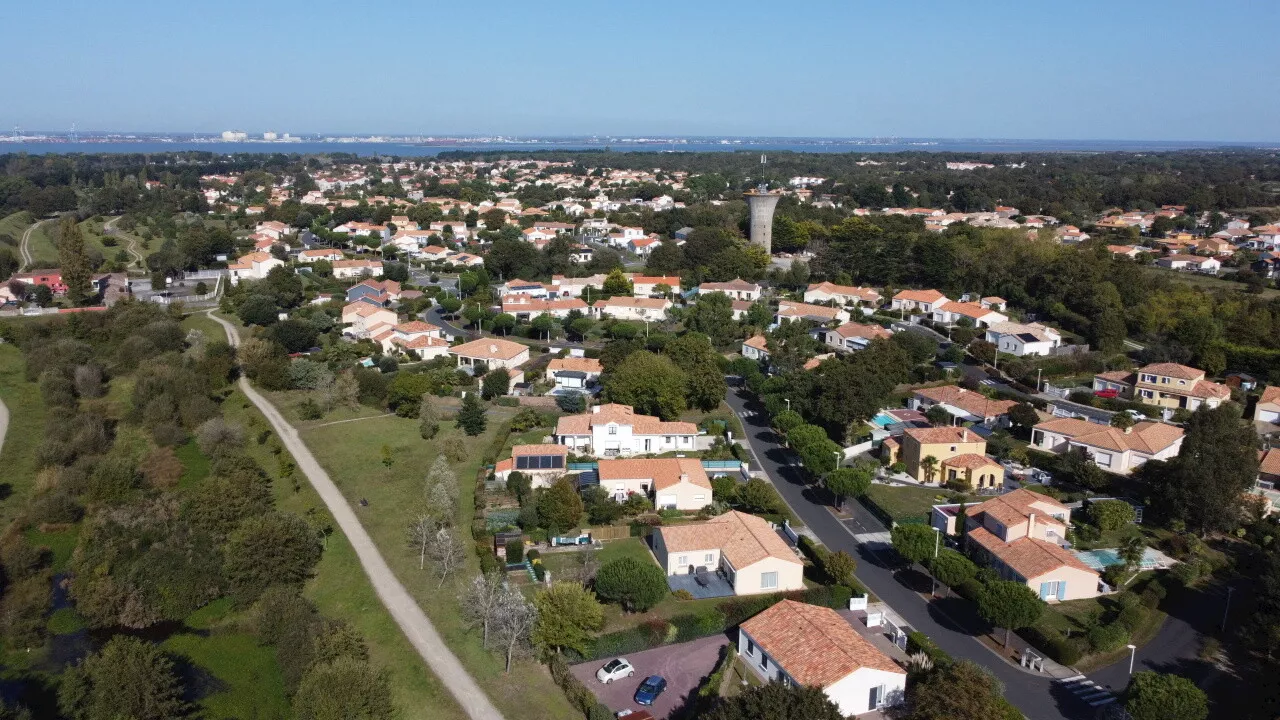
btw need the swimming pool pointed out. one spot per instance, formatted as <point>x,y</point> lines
<point>883,420</point>
<point>1101,559</point>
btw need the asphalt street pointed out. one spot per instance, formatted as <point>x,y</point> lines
<point>951,627</point>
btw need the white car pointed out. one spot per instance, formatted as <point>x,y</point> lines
<point>614,670</point>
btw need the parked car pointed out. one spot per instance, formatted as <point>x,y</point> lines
<point>1040,476</point>
<point>615,669</point>
<point>1108,393</point>
<point>650,689</point>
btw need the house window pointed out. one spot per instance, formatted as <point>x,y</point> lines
<point>682,560</point>
<point>613,430</point>
<point>786,681</point>
<point>764,661</point>
<point>708,558</point>
<point>1102,459</point>
<point>876,698</point>
<point>953,448</point>
<point>768,580</point>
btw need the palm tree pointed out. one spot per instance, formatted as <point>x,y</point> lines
<point>930,465</point>
<point>1131,550</point>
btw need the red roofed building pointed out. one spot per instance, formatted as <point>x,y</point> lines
<point>618,430</point>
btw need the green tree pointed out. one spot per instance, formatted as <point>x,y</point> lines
<point>568,615</point>
<point>775,701</point>
<point>503,323</point>
<point>817,451</point>
<point>1077,467</point>
<point>850,482</point>
<point>1024,416</point>
<point>495,384</point>
<point>428,418</point>
<point>958,691</point>
<point>615,283</point>
<point>1122,420</point>
<point>270,549</point>
<point>758,496</point>
<point>520,486</point>
<point>345,688</point>
<point>914,543</point>
<point>1010,605</point>
<point>650,383</point>
<point>1111,515</point>
<point>930,466</point>
<point>839,567</point>
<point>938,415</point>
<point>471,416</point>
<point>1164,696</point>
<point>951,568</point>
<point>1204,485</point>
<point>128,678</point>
<point>712,315</point>
<point>705,385</point>
<point>73,260</point>
<point>636,585</point>
<point>560,506</point>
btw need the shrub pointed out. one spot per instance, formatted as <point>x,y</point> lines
<point>919,642</point>
<point>1052,644</point>
<point>55,508</point>
<point>970,589</point>
<point>682,594</point>
<point>577,693</point>
<point>952,568</point>
<point>515,552</point>
<point>1108,638</point>
<point>1133,617</point>
<point>1109,515</point>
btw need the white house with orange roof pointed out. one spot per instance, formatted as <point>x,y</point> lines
<point>646,285</point>
<point>318,254</point>
<point>852,336</point>
<point>1118,451</point>
<point>622,307</point>
<point>434,253</point>
<point>528,307</point>
<point>1023,339</point>
<point>1268,407</point>
<point>492,352</point>
<point>744,548</point>
<point>544,464</point>
<point>963,404</point>
<point>925,301</point>
<point>347,269</point>
<point>643,246</point>
<point>362,317</point>
<point>756,347</point>
<point>794,643</point>
<point>791,310</point>
<point>736,289</point>
<point>843,294</point>
<point>1022,536</point>
<point>417,338</point>
<point>272,228</point>
<point>946,455</point>
<point>253,266</point>
<point>951,312</point>
<point>672,483</point>
<point>618,430</point>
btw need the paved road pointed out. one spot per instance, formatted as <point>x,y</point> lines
<point>1037,697</point>
<point>406,611</point>
<point>435,316</point>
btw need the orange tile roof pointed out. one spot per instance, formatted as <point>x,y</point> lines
<point>925,296</point>
<point>621,415</point>
<point>758,342</point>
<point>421,342</point>
<point>1144,437</point>
<point>743,539</point>
<point>788,308</point>
<point>1029,557</point>
<point>1015,507</point>
<point>490,348</point>
<point>969,461</point>
<point>974,403</point>
<point>1270,462</point>
<point>627,301</point>
<point>933,436</point>
<point>737,284</point>
<point>1118,376</point>
<point>664,472</point>
<point>870,332</point>
<point>850,290</point>
<point>539,449</point>
<point>814,645</point>
<point>589,365</point>
<point>416,326</point>
<point>971,310</point>
<point>1270,396</point>
<point>1174,370</point>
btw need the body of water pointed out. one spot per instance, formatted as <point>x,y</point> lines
<point>749,145</point>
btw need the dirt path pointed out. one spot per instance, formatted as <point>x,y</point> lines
<point>24,249</point>
<point>132,247</point>
<point>406,611</point>
<point>4,423</point>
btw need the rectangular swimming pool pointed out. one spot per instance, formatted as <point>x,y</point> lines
<point>1101,559</point>
<point>883,420</point>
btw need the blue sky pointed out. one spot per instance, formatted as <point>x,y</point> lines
<point>1124,69</point>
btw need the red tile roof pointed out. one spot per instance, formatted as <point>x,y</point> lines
<point>814,645</point>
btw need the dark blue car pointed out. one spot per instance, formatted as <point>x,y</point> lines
<point>650,689</point>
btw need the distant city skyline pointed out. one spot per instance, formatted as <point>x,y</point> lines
<point>1179,70</point>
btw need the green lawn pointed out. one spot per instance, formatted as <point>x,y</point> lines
<point>341,590</point>
<point>12,226</point>
<point>351,454</point>
<point>195,466</point>
<point>61,544</point>
<point>903,502</point>
<point>26,429</point>
<point>249,683</point>
<point>205,324</point>
<point>44,253</point>
<point>1206,282</point>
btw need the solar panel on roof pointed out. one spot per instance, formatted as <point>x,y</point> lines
<point>1027,337</point>
<point>539,462</point>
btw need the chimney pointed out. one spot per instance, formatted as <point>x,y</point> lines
<point>1128,430</point>
<point>684,477</point>
<point>1031,525</point>
<point>964,434</point>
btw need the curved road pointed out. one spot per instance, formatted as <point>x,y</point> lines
<point>1038,697</point>
<point>406,611</point>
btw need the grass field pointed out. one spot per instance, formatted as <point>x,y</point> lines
<point>351,452</point>
<point>12,226</point>
<point>26,429</point>
<point>341,590</point>
<point>248,683</point>
<point>44,253</point>
<point>1207,282</point>
<point>902,501</point>
<point>205,324</point>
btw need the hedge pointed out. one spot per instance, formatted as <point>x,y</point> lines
<point>919,642</point>
<point>577,693</point>
<point>1053,644</point>
<point>883,515</point>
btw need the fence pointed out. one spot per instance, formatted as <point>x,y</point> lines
<point>610,532</point>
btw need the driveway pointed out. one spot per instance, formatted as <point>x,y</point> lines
<point>684,666</point>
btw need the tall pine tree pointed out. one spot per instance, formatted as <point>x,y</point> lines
<point>73,260</point>
<point>471,415</point>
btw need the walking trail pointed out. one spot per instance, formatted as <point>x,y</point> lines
<point>132,246</point>
<point>406,611</point>
<point>24,249</point>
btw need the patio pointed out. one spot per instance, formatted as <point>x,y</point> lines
<point>702,586</point>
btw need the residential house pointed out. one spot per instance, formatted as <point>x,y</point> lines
<point>952,312</point>
<point>344,269</point>
<point>1194,263</point>
<point>1071,235</point>
<point>947,455</point>
<point>419,339</point>
<point>544,464</point>
<point>51,279</point>
<point>1021,535</point>
<point>1118,451</point>
<point>924,301</point>
<point>1023,339</point>
<point>672,483</point>
<point>1268,407</point>
<point>843,294</point>
<point>791,310</point>
<point>1269,469</point>
<point>528,307</point>
<point>466,260</point>
<point>574,373</point>
<point>381,292</point>
<point>632,308</point>
<point>1129,251</point>
<point>1168,385</point>
<point>273,228</point>
<point>755,348</point>
<point>643,246</point>
<point>852,336</point>
<point>736,289</point>
<point>794,643</point>
<point>612,430</point>
<point>362,318</point>
<point>316,255</point>
<point>434,253</point>
<point>253,266</point>
<point>744,548</point>
<point>646,285</point>
<point>964,405</point>
<point>1268,235</point>
<point>492,352</point>
<point>739,309</point>
<point>523,287</point>
<point>562,286</point>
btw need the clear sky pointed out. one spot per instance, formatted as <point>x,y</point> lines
<point>1057,69</point>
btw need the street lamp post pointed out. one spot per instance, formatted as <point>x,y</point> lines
<point>1133,651</point>
<point>788,401</point>
<point>1226,610</point>
<point>937,540</point>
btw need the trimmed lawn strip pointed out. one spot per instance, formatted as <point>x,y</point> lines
<point>342,591</point>
<point>351,453</point>
<point>250,684</point>
<point>26,432</point>
<point>904,502</point>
